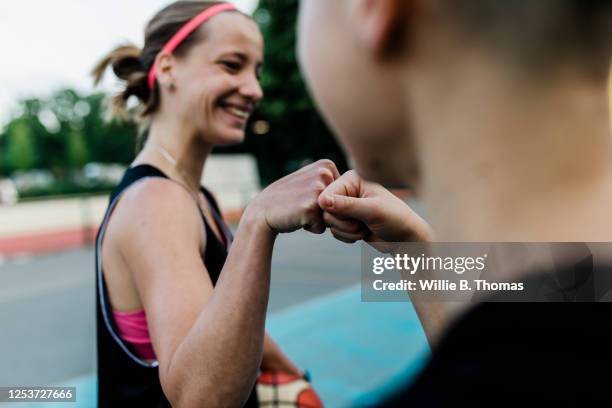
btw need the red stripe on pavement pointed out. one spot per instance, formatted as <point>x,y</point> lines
<point>42,242</point>
<point>58,240</point>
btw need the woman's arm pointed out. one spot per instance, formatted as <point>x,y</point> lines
<point>209,342</point>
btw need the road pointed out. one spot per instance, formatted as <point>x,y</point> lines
<point>47,310</point>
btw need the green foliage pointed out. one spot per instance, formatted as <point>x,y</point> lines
<point>76,150</point>
<point>20,152</point>
<point>63,133</point>
<point>64,188</point>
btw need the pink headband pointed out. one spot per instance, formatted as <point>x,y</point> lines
<point>187,29</point>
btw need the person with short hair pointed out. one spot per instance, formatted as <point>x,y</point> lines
<point>496,113</point>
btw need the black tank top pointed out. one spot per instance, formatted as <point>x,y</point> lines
<point>124,379</point>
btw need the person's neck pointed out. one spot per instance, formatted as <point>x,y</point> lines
<point>522,161</point>
<point>184,146</point>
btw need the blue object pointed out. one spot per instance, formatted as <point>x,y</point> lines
<point>358,353</point>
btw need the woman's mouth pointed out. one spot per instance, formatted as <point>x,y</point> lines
<point>239,112</point>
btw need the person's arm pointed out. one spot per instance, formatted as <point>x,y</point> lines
<point>355,210</point>
<point>209,341</point>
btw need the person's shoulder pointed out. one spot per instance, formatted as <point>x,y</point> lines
<point>158,194</point>
<point>158,207</point>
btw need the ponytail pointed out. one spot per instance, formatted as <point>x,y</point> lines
<point>127,66</point>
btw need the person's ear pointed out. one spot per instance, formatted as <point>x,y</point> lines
<point>165,67</point>
<point>383,24</point>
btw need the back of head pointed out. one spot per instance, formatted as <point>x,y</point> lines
<point>537,35</point>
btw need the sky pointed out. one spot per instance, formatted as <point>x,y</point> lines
<point>48,45</point>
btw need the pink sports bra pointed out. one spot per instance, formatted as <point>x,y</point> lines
<point>133,329</point>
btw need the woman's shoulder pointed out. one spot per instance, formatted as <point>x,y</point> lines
<point>157,196</point>
<point>145,186</point>
<point>135,174</point>
<point>153,206</point>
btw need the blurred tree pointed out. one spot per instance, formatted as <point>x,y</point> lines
<point>20,149</point>
<point>64,132</point>
<point>108,142</point>
<point>76,150</point>
<point>287,131</point>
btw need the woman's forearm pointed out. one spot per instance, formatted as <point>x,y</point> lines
<point>217,362</point>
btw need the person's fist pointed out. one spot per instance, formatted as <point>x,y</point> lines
<point>355,209</point>
<point>291,203</point>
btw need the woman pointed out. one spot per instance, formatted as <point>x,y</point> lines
<point>180,316</point>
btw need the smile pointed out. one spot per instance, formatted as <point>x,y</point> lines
<point>238,110</point>
<point>241,113</point>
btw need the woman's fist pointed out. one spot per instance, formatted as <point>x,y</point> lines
<point>291,203</point>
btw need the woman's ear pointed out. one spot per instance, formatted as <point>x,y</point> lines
<point>164,74</point>
<point>384,24</point>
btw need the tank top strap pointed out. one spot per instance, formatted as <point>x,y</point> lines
<point>137,174</point>
<point>216,213</point>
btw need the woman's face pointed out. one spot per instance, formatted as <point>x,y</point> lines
<point>217,81</point>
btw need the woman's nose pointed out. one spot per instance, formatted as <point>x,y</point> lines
<point>252,89</point>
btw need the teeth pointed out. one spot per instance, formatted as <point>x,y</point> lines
<point>238,112</point>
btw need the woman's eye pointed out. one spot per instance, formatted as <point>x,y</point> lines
<point>233,66</point>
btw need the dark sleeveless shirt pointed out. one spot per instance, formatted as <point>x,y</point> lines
<point>124,379</point>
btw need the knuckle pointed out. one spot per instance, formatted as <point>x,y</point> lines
<point>329,177</point>
<point>326,162</point>
<point>345,203</point>
<point>318,186</point>
<point>324,173</point>
<point>309,206</point>
<point>304,206</point>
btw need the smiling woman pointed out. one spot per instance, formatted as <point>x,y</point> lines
<point>180,317</point>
